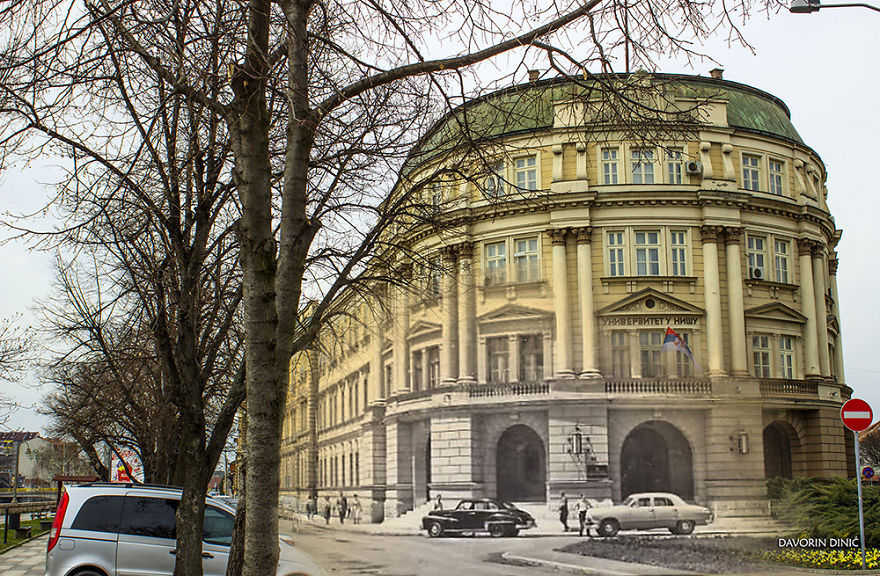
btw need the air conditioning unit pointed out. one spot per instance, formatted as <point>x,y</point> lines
<point>694,168</point>
<point>756,273</point>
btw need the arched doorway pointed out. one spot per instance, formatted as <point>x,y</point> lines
<point>777,451</point>
<point>656,457</point>
<point>521,465</point>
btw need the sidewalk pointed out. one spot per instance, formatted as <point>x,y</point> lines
<point>29,559</point>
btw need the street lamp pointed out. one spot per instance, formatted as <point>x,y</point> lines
<point>807,6</point>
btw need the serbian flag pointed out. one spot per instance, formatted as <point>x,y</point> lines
<point>674,342</point>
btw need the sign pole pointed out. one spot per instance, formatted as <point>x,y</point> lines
<point>861,514</point>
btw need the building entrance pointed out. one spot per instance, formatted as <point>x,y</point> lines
<point>777,452</point>
<point>521,465</point>
<point>656,457</point>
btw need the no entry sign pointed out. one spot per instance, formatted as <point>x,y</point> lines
<point>856,415</point>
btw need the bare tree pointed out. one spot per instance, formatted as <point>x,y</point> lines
<point>319,103</point>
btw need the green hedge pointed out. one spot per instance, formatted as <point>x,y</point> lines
<point>826,507</point>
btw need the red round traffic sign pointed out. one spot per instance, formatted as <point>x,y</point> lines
<point>856,415</point>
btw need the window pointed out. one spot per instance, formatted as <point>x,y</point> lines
<point>615,253</point>
<point>619,355</point>
<point>673,166</point>
<point>526,173</point>
<point>151,517</point>
<point>751,171</point>
<point>436,278</point>
<point>642,166</point>
<point>218,526</point>
<point>433,367</point>
<point>786,356</point>
<point>682,361</point>
<point>780,257</point>
<point>659,501</point>
<point>775,177</point>
<point>389,373</point>
<point>496,263</point>
<point>678,241</point>
<point>416,370</point>
<point>761,356</point>
<point>99,514</point>
<point>525,260</point>
<point>531,361</point>
<point>609,165</point>
<point>494,184</point>
<point>436,195</point>
<point>650,347</point>
<point>648,253</point>
<point>497,349</point>
<point>755,247</point>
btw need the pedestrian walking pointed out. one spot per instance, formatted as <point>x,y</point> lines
<point>342,507</point>
<point>327,509</point>
<point>309,509</point>
<point>582,506</point>
<point>563,511</point>
<point>438,505</point>
<point>356,510</point>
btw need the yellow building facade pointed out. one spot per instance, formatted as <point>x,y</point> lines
<point>526,357</point>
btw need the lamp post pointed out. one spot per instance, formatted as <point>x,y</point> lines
<point>808,6</point>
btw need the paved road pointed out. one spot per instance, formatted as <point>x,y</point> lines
<point>26,560</point>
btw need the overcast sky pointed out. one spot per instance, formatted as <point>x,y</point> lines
<point>822,65</point>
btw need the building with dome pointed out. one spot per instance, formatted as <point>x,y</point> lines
<point>527,357</point>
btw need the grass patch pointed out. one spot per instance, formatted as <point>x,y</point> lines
<point>11,540</point>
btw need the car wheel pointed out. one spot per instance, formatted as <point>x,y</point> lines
<point>609,527</point>
<point>685,527</point>
<point>435,529</point>
<point>497,530</point>
<point>88,572</point>
<point>512,532</point>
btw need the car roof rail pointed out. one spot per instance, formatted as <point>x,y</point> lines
<point>131,485</point>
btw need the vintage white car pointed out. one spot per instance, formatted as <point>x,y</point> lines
<point>648,510</point>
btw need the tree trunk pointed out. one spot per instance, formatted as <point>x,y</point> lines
<point>191,510</point>
<point>235,566</point>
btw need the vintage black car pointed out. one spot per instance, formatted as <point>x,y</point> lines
<point>496,517</point>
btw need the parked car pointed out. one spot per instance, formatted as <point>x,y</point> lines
<point>496,517</point>
<point>648,510</point>
<point>105,529</point>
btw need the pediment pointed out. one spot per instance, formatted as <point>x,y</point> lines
<point>515,312</point>
<point>423,326</point>
<point>776,311</point>
<point>650,301</point>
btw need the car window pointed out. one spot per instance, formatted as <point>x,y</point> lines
<point>644,503</point>
<point>99,514</point>
<point>491,506</point>
<point>218,526</point>
<point>630,501</point>
<point>659,501</point>
<point>481,505</point>
<point>465,506</point>
<point>144,516</point>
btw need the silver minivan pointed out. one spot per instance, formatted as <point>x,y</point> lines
<point>105,529</point>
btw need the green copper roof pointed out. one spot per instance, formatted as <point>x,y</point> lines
<point>528,107</point>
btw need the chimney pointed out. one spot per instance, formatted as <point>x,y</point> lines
<point>534,75</point>
<point>717,73</point>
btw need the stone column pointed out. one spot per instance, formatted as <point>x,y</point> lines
<point>377,365</point>
<point>482,360</point>
<point>401,331</point>
<point>467,315</point>
<point>589,368</point>
<point>560,304</point>
<point>635,354</point>
<point>711,284</point>
<point>449,330</point>
<point>513,358</point>
<point>547,344</point>
<point>819,269</point>
<point>838,345</point>
<point>808,307</point>
<point>737,325</point>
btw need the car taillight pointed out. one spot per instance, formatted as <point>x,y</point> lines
<point>55,533</point>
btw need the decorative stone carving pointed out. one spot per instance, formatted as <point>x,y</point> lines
<point>583,234</point>
<point>805,246</point>
<point>558,235</point>
<point>732,235</point>
<point>449,253</point>
<point>710,233</point>
<point>832,266</point>
<point>464,250</point>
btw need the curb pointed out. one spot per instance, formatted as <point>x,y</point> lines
<point>577,569</point>
<point>23,542</point>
